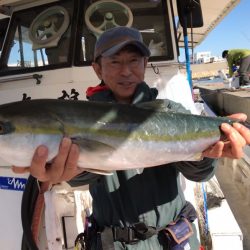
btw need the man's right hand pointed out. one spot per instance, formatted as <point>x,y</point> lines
<point>62,168</point>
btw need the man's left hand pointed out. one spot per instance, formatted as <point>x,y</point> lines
<point>237,136</point>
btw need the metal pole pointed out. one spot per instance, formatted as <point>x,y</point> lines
<point>188,68</point>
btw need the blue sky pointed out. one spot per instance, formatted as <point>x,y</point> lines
<point>233,32</point>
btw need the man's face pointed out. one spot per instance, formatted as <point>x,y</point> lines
<point>122,72</point>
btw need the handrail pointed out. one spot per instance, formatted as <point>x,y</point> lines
<point>37,77</point>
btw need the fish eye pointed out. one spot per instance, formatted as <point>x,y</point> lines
<point>5,128</point>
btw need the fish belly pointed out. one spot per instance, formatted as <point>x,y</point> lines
<point>18,150</point>
<point>131,155</point>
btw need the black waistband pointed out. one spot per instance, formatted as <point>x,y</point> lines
<point>134,233</point>
<point>128,235</point>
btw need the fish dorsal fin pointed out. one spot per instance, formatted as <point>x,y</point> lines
<point>161,105</point>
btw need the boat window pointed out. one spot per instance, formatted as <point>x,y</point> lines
<point>151,17</point>
<point>3,29</point>
<point>39,38</point>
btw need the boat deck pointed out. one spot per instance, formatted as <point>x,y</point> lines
<point>233,176</point>
<point>225,101</point>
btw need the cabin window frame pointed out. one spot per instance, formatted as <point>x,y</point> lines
<point>167,21</point>
<point>5,56</point>
<point>77,26</point>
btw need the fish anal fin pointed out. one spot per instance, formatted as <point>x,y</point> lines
<point>98,171</point>
<point>198,157</point>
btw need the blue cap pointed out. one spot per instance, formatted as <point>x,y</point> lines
<point>113,40</point>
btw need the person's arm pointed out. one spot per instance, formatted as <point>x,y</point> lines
<point>197,170</point>
<point>230,64</point>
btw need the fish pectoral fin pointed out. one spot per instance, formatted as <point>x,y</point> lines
<point>198,157</point>
<point>98,171</point>
<point>157,105</point>
<point>92,146</point>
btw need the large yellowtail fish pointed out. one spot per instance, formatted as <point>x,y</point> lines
<point>110,136</point>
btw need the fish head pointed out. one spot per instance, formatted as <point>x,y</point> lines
<point>22,130</point>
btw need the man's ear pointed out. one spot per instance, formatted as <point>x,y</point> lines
<point>98,70</point>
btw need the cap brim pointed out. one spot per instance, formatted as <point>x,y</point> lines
<point>142,47</point>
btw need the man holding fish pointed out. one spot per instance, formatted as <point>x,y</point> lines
<point>136,208</point>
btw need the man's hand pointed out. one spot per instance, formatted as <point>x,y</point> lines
<point>237,136</point>
<point>62,168</point>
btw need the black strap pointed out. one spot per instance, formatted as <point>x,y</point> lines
<point>126,234</point>
<point>135,233</point>
<point>143,232</point>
